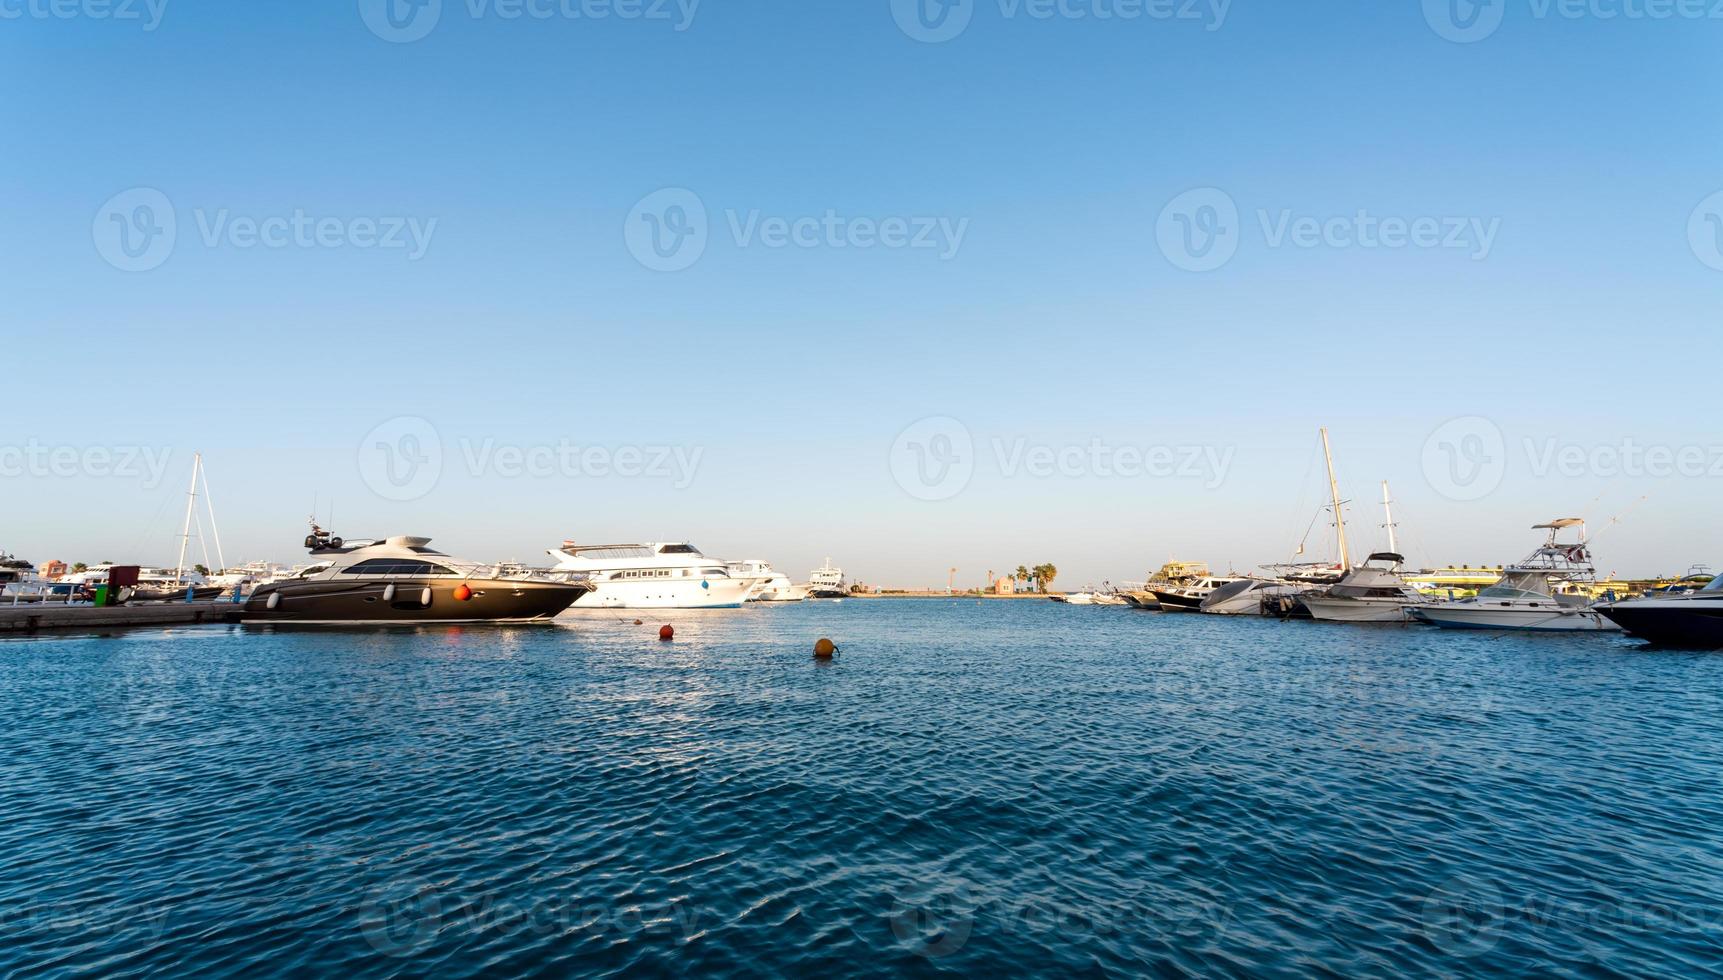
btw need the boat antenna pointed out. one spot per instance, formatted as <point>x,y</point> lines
<point>1613,521</point>
<point>1388,513</point>
<point>1339,516</point>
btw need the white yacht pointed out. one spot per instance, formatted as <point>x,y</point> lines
<point>826,582</point>
<point>773,586</point>
<point>1373,593</point>
<point>1370,593</point>
<point>1526,598</point>
<point>652,575</point>
<point>249,576</point>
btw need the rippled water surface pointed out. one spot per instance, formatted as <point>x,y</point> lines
<point>1021,787</point>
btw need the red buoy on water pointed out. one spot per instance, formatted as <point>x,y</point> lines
<point>666,633</point>
<point>824,649</point>
<point>463,592</point>
<point>640,622</point>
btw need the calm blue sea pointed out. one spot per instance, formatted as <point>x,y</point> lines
<point>1021,788</point>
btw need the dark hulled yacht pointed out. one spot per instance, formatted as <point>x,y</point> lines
<point>402,581</point>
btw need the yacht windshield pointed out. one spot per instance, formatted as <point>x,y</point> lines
<point>1508,592</point>
<point>1715,585</point>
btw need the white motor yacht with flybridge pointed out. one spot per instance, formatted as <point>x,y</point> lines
<point>1374,592</point>
<point>1529,595</point>
<point>653,575</point>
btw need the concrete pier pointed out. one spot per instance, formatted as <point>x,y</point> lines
<point>29,617</point>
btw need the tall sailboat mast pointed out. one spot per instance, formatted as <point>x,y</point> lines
<point>185,532</point>
<point>1339,517</point>
<point>1388,514</point>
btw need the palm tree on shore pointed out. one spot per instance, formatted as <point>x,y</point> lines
<point>1044,576</point>
<point>1021,574</point>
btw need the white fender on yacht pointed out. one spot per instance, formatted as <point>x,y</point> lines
<point>273,601</point>
<point>389,592</point>
<point>425,596</point>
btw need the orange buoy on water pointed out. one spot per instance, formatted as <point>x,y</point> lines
<point>463,592</point>
<point>666,633</point>
<point>824,649</point>
<point>640,622</point>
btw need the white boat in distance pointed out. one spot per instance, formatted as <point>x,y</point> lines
<point>1525,598</point>
<point>826,582</point>
<point>652,575</point>
<point>774,586</point>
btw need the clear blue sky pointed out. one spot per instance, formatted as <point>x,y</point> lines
<point>1060,320</point>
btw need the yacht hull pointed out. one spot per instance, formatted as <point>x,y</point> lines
<point>1331,610</point>
<point>714,593</point>
<point>1142,600</point>
<point>1178,602</point>
<point>1546,619</point>
<point>325,602</point>
<point>1686,624</point>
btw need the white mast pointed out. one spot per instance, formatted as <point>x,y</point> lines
<point>1388,512</point>
<point>1339,517</point>
<point>185,532</point>
<point>215,531</point>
